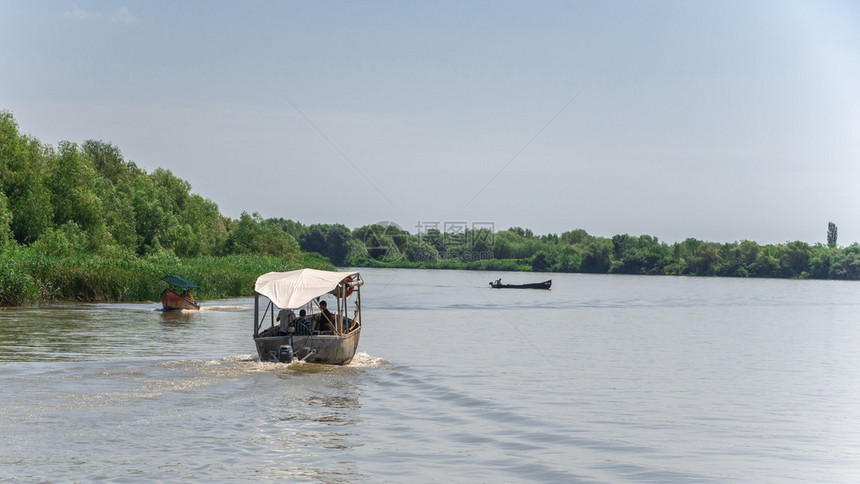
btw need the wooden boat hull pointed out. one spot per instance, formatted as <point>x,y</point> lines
<point>171,301</point>
<point>320,348</point>
<point>536,285</point>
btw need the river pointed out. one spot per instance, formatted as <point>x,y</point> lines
<point>602,379</point>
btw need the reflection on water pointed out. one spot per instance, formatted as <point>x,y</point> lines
<point>177,317</point>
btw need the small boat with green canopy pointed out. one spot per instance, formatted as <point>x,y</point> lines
<point>176,296</point>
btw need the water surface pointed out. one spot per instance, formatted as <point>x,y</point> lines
<point>603,378</point>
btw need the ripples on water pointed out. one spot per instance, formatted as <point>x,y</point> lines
<point>604,378</point>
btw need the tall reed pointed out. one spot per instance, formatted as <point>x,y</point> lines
<point>28,277</point>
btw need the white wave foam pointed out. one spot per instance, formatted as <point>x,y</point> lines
<point>226,308</point>
<point>363,360</point>
<point>253,363</point>
<point>250,363</point>
<point>249,357</point>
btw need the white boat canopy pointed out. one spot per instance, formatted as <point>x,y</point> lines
<point>294,289</point>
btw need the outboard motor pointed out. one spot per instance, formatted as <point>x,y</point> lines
<point>285,354</point>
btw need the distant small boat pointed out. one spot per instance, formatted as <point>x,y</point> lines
<point>497,284</point>
<point>173,299</point>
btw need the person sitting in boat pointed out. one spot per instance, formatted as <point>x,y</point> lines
<point>286,316</point>
<point>325,319</point>
<point>304,324</point>
<point>187,295</point>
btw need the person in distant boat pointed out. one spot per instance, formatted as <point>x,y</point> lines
<point>498,282</point>
<point>285,316</point>
<point>187,295</point>
<point>326,318</point>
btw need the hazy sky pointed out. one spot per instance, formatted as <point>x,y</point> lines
<point>721,120</point>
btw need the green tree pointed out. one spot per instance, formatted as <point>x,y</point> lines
<point>108,161</point>
<point>118,213</point>
<point>337,244</point>
<point>419,250</point>
<point>704,260</point>
<point>508,244</point>
<point>66,240</point>
<point>383,243</point>
<point>569,258</point>
<point>5,221</point>
<point>621,244</point>
<point>574,237</point>
<point>527,233</point>
<point>314,240</point>
<point>332,241</point>
<point>846,263</point>
<point>204,228</point>
<point>540,262</point>
<point>831,234</point>
<point>821,261</point>
<point>596,258</point>
<point>150,217</point>
<point>435,238</point>
<point>480,243</point>
<point>795,259</point>
<point>767,263</point>
<point>71,180</point>
<point>23,168</point>
<point>296,229</point>
<point>748,251</point>
<point>174,191</point>
<point>251,236</point>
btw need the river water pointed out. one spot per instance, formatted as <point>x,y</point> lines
<point>601,379</point>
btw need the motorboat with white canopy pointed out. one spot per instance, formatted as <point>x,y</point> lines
<point>316,335</point>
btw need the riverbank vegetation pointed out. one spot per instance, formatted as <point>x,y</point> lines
<point>518,249</point>
<point>27,276</point>
<point>79,222</point>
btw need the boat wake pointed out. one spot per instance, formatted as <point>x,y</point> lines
<point>226,308</point>
<point>151,381</point>
<point>251,363</point>
<point>363,360</point>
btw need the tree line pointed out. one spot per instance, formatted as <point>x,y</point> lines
<point>80,222</point>
<point>82,208</point>
<point>88,198</point>
<point>387,245</point>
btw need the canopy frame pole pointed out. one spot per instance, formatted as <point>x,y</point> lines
<point>256,314</point>
<point>358,302</point>
<point>341,291</point>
